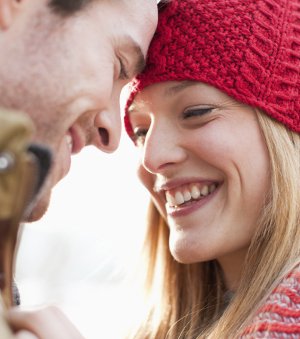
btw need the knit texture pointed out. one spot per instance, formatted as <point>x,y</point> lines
<point>279,317</point>
<point>249,49</point>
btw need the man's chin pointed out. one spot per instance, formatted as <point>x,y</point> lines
<point>39,209</point>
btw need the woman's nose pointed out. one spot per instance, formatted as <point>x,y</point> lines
<point>162,149</point>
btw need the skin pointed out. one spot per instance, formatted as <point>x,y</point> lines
<point>67,73</point>
<point>221,144</point>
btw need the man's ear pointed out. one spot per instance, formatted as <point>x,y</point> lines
<point>9,10</point>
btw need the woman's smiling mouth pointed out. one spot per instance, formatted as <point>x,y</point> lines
<point>188,193</point>
<point>187,198</point>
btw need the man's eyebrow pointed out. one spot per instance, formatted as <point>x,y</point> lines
<point>140,61</point>
<point>134,49</point>
<point>179,87</point>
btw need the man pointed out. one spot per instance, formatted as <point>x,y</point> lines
<point>64,63</point>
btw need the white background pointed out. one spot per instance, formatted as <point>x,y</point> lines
<point>78,255</point>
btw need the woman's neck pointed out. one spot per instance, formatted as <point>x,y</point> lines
<point>232,266</point>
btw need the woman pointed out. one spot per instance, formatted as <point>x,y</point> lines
<point>216,115</point>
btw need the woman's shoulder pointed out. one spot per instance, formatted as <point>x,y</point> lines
<point>279,316</point>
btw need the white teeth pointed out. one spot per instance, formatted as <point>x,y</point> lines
<point>212,188</point>
<point>170,199</point>
<point>187,195</point>
<point>195,192</point>
<point>179,198</point>
<point>69,141</point>
<point>204,191</point>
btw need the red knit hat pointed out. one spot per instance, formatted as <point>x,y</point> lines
<point>250,49</point>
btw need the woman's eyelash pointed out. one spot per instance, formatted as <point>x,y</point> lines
<point>197,112</point>
<point>123,71</point>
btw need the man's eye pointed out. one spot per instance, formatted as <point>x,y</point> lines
<point>194,112</point>
<point>123,75</point>
<point>139,136</point>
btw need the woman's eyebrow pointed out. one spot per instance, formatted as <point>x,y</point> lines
<point>135,108</point>
<point>170,91</point>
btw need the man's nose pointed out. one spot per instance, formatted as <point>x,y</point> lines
<point>108,124</point>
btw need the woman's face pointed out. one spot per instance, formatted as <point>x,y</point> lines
<point>206,165</point>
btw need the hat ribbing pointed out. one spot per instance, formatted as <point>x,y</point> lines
<point>250,49</point>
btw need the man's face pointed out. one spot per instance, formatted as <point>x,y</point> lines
<point>67,74</point>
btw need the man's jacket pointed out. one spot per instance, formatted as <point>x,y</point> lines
<point>23,167</point>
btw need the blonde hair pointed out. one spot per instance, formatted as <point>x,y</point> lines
<point>188,300</point>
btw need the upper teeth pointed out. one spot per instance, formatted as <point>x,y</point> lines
<point>69,141</point>
<point>194,191</point>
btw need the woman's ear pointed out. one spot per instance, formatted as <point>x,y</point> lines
<point>9,10</point>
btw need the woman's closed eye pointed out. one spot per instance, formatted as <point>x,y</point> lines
<point>197,111</point>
